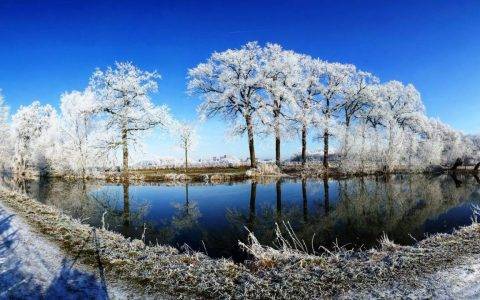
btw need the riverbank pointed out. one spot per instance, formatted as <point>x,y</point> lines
<point>33,267</point>
<point>271,274</point>
<point>264,172</point>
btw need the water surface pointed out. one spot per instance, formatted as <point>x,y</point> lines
<point>213,218</point>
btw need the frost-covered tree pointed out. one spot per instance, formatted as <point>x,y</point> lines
<point>32,127</point>
<point>229,83</point>
<point>357,94</point>
<point>433,144</point>
<point>475,149</point>
<point>5,135</point>
<point>402,114</point>
<point>186,135</point>
<point>79,129</point>
<point>358,97</point>
<point>304,109</point>
<point>280,70</point>
<point>123,101</point>
<point>453,144</point>
<point>334,80</point>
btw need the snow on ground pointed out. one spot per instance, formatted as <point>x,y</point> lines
<point>34,268</point>
<point>462,281</point>
<point>459,282</point>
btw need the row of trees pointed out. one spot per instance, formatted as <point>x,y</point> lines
<point>109,116</point>
<point>269,90</point>
<point>260,91</point>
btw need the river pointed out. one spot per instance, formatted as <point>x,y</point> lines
<point>212,218</point>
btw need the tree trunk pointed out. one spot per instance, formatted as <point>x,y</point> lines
<point>304,145</point>
<point>345,141</point>
<point>477,166</point>
<point>276,115</point>
<point>457,164</point>
<point>125,153</point>
<point>251,142</point>
<point>325,149</point>
<point>186,160</point>
<point>325,136</point>
<point>278,160</point>
<point>362,150</point>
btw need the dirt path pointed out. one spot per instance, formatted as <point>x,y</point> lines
<point>33,267</point>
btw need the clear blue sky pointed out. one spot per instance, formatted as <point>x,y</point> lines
<point>48,47</point>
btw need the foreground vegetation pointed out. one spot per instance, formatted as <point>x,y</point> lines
<point>284,272</point>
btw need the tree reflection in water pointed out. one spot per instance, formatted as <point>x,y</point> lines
<point>458,183</point>
<point>126,204</point>
<point>187,215</point>
<point>278,187</point>
<point>401,206</point>
<point>253,196</point>
<point>305,200</point>
<point>326,195</point>
<point>354,212</point>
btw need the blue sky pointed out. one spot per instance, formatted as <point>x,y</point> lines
<point>48,47</point>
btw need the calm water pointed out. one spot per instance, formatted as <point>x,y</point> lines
<point>213,218</point>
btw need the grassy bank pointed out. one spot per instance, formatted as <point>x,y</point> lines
<point>225,174</point>
<point>196,174</point>
<point>285,272</point>
<point>241,173</point>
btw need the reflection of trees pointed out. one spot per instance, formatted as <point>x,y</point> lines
<point>305,200</point>
<point>126,203</point>
<point>187,215</point>
<point>88,200</point>
<point>326,194</point>
<point>261,220</point>
<point>119,214</point>
<point>399,207</point>
<point>16,183</point>
<point>458,182</point>
<point>251,213</point>
<point>278,188</point>
<point>366,208</point>
<point>70,197</point>
<point>183,226</point>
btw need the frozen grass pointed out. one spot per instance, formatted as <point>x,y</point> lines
<point>286,271</point>
<point>264,169</point>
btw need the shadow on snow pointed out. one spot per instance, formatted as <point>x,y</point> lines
<point>17,278</point>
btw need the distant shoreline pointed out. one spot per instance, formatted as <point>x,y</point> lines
<point>241,173</point>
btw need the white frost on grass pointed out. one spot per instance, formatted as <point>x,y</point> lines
<point>33,267</point>
<point>459,282</point>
